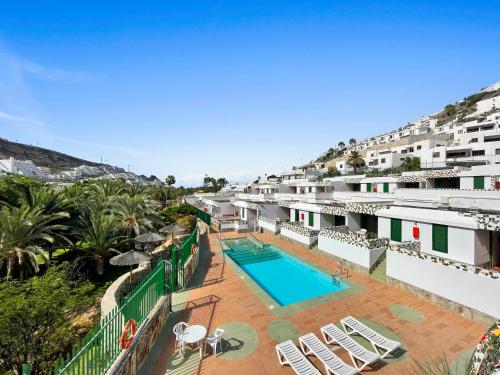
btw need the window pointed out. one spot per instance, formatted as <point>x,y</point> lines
<point>386,187</point>
<point>311,219</point>
<point>436,154</point>
<point>419,147</point>
<point>478,183</point>
<point>473,140</point>
<point>478,153</point>
<point>296,215</point>
<point>369,187</point>
<point>396,230</point>
<point>497,151</point>
<point>382,161</point>
<point>310,189</point>
<point>440,238</point>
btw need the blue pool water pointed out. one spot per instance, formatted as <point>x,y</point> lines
<point>286,279</point>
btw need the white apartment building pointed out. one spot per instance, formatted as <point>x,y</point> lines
<point>25,168</point>
<point>487,105</point>
<point>491,88</point>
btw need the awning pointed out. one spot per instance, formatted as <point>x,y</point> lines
<point>443,217</point>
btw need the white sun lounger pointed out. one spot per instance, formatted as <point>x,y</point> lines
<point>332,335</point>
<point>311,344</point>
<point>352,325</point>
<point>289,354</point>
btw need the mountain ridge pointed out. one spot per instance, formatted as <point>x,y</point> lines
<point>42,157</point>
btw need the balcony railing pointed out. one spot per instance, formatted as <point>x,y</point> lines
<point>412,249</point>
<point>344,234</point>
<point>299,229</point>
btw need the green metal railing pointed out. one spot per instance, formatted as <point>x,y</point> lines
<point>180,255</point>
<point>204,216</point>
<point>100,347</point>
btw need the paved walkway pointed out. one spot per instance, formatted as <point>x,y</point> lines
<point>222,295</point>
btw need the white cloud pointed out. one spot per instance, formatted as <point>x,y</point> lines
<point>18,119</point>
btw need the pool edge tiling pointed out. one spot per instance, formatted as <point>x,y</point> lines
<point>348,287</point>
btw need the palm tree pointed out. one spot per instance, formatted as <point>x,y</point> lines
<point>101,233</point>
<point>213,183</point>
<point>106,188</point>
<point>136,213</point>
<point>221,182</point>
<point>206,181</point>
<point>48,200</point>
<point>22,230</point>
<point>352,142</point>
<point>134,189</point>
<point>355,160</point>
<point>170,180</point>
<point>341,145</point>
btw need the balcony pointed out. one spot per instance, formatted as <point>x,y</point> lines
<point>256,197</point>
<point>449,282</point>
<point>360,251</point>
<point>271,224</point>
<point>299,233</point>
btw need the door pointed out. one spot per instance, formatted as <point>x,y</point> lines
<point>478,183</point>
<point>495,250</point>
<point>386,187</point>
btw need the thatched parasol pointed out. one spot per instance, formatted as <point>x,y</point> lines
<point>149,237</point>
<point>130,258</point>
<point>172,227</point>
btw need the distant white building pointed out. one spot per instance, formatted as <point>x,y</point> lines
<point>25,168</point>
<point>493,87</point>
<point>487,105</point>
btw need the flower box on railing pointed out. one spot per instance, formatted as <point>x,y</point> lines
<point>446,262</point>
<point>344,234</point>
<point>299,229</point>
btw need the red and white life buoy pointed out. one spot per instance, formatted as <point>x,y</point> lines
<point>128,334</point>
<point>193,248</point>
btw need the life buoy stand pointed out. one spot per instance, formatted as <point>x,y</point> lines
<point>128,334</point>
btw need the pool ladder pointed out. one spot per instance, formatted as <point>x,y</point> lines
<point>342,273</point>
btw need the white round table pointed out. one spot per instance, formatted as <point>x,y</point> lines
<point>194,334</point>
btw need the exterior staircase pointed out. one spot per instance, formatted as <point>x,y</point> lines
<point>378,272</point>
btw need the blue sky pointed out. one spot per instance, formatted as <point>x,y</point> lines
<point>233,88</point>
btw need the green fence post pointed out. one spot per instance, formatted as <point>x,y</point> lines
<point>26,369</point>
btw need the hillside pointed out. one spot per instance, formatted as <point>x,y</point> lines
<point>458,110</point>
<point>40,156</point>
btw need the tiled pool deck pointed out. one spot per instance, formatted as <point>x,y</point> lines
<point>222,295</point>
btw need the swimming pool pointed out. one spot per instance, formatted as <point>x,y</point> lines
<point>286,279</point>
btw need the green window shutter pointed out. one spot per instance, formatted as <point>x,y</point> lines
<point>369,187</point>
<point>478,182</point>
<point>311,219</point>
<point>386,187</point>
<point>297,215</point>
<point>440,238</point>
<point>396,230</point>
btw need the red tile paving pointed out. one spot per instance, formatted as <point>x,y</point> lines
<point>441,332</point>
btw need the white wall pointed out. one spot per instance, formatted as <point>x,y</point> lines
<point>354,254</point>
<point>472,290</point>
<point>305,221</point>
<point>298,237</point>
<point>467,183</point>
<point>269,226</point>
<point>464,245</point>
<point>275,211</point>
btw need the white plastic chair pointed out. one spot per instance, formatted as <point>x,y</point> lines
<point>179,332</point>
<point>214,339</point>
